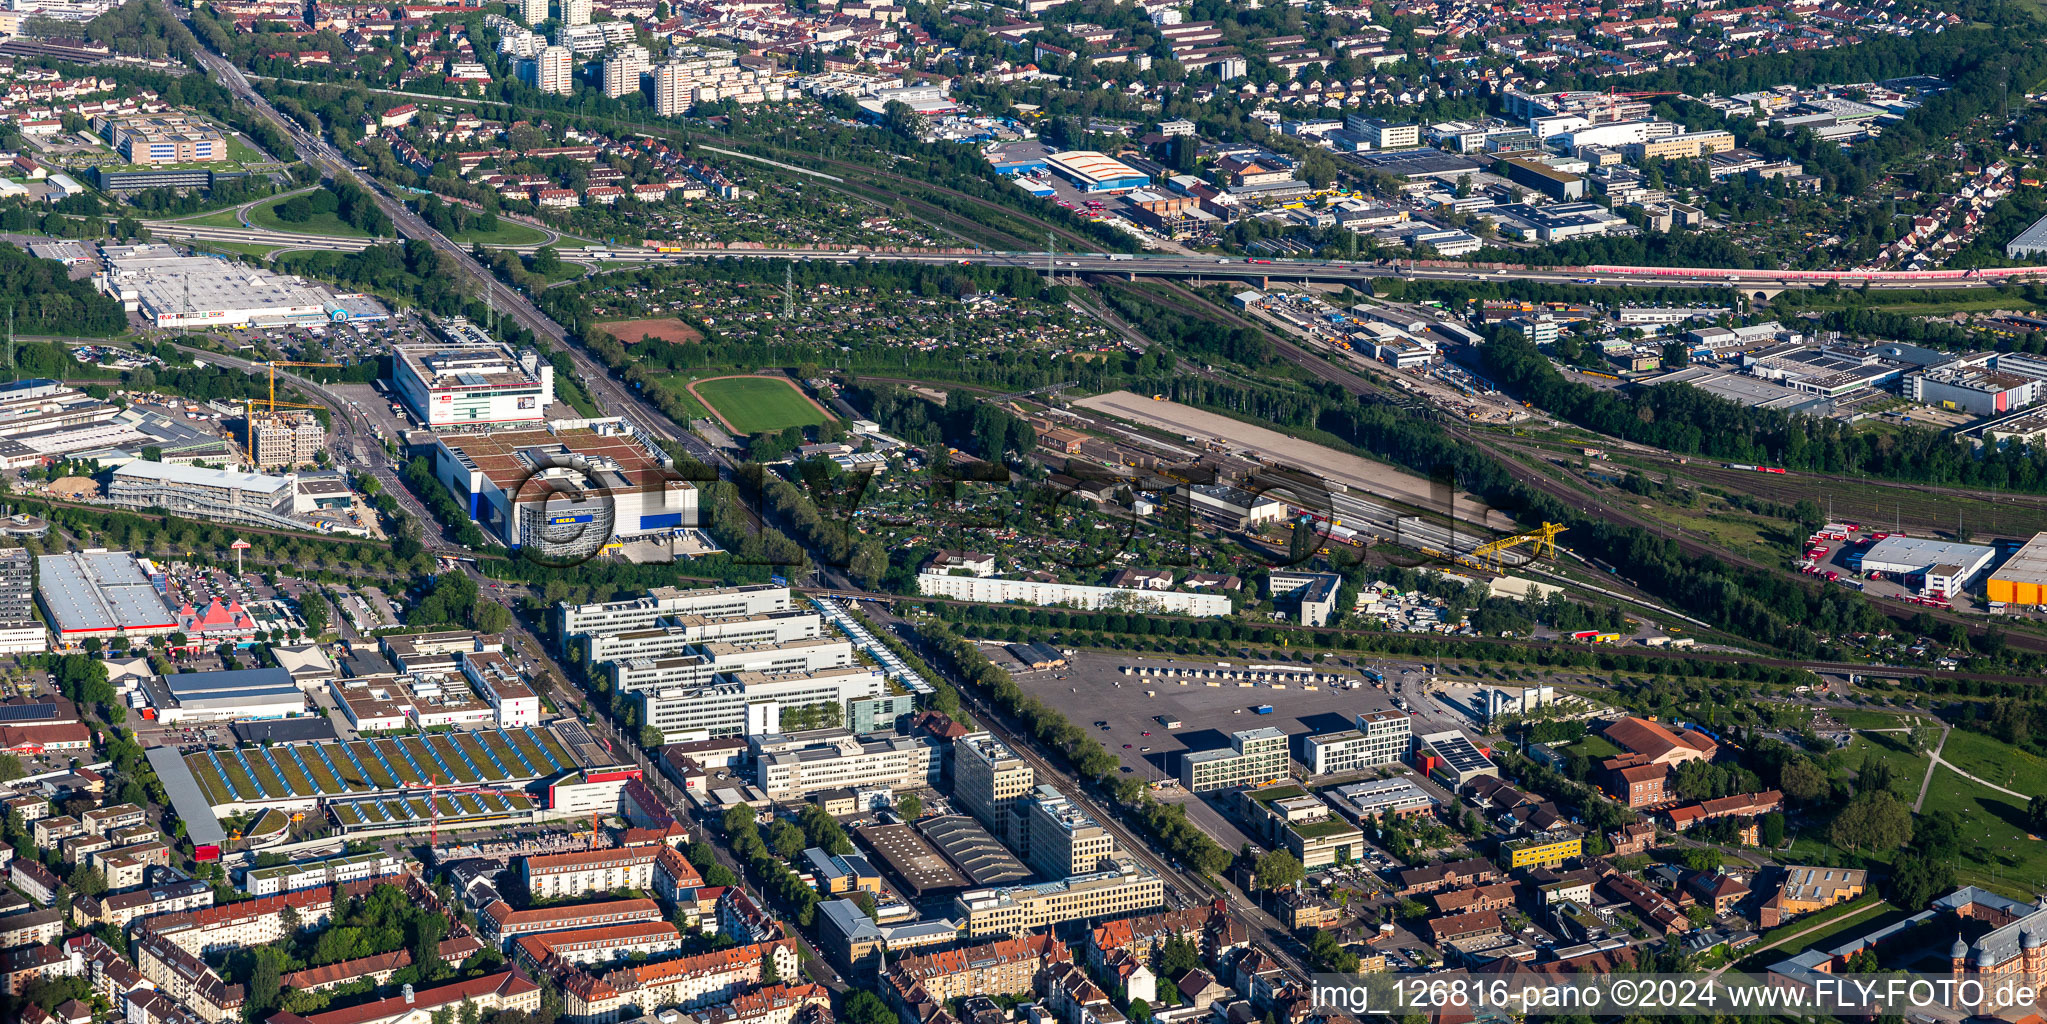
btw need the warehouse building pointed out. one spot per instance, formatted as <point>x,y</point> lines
<point>1096,173</point>
<point>103,594</point>
<point>568,489</point>
<point>472,381</point>
<point>2022,580</point>
<point>202,291</point>
<point>1976,390</point>
<point>2029,243</point>
<point>1076,595</point>
<point>229,696</point>
<point>1944,567</point>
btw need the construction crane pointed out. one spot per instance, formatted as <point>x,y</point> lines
<point>1487,555</point>
<point>273,364</point>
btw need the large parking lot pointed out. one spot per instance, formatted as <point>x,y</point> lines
<point>1093,689</point>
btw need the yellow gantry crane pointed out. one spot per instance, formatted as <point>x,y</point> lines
<point>1487,555</point>
<point>273,364</point>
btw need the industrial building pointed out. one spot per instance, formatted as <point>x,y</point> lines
<point>1253,758</point>
<point>2022,579</point>
<point>1095,173</point>
<point>473,382</point>
<point>2029,243</point>
<point>218,494</point>
<point>568,490</point>
<point>1945,567</point>
<point>99,593</point>
<point>1452,759</point>
<point>202,291</point>
<point>1976,390</point>
<point>228,696</point>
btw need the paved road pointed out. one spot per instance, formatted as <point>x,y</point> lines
<point>609,393</point>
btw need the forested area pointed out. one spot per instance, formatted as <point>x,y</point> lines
<point>45,300</point>
<point>1190,334</point>
<point>1687,420</point>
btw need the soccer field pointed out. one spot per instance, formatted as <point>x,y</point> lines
<point>750,405</point>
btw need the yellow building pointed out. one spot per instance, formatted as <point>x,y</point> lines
<point>1547,850</point>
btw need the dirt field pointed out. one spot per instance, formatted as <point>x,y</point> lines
<point>1360,474</point>
<point>675,332</point>
<point>72,488</point>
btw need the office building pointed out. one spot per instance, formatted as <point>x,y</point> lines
<point>552,70</point>
<point>647,611</point>
<point>162,139</point>
<point>674,636</point>
<point>991,782</point>
<point>755,703</point>
<point>283,440</point>
<point>1383,134</point>
<point>1380,738</point>
<point>1544,849</point>
<point>475,382</point>
<point>700,664</point>
<point>567,490</point>
<point>1312,594</point>
<point>623,68</point>
<point>1061,839</point>
<point>1015,910</point>
<point>1253,758</point>
<point>793,766</point>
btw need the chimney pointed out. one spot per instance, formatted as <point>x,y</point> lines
<point>408,993</point>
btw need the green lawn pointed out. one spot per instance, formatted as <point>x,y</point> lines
<point>1998,852</point>
<point>755,404</point>
<point>264,215</point>
<point>217,219</point>
<point>677,388</point>
<point>1859,914</point>
<point>1995,762</point>
<point>1870,719</point>
<point>1907,769</point>
<point>508,233</point>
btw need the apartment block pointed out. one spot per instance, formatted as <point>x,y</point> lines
<point>579,873</point>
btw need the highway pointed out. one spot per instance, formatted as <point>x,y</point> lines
<point>606,390</point>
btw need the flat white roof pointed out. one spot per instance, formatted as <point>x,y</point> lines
<point>1911,554</point>
<point>1086,163</point>
<point>199,477</point>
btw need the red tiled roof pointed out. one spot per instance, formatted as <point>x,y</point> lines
<point>505,984</point>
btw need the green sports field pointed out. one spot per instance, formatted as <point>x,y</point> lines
<point>754,404</point>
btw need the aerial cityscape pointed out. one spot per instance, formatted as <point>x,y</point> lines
<point>1023,512</point>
